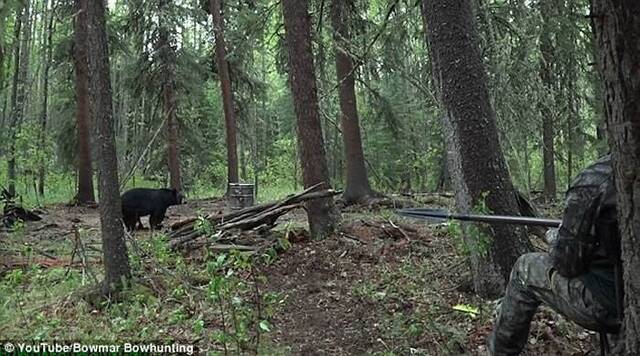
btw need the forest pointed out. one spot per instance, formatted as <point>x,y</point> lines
<point>281,150</point>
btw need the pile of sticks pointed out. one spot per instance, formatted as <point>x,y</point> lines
<point>230,229</point>
<point>12,213</point>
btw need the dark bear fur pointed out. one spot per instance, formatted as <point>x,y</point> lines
<point>140,202</point>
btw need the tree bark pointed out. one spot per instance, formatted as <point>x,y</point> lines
<point>48,54</point>
<point>15,111</point>
<point>3,52</point>
<point>302,79</point>
<point>20,87</point>
<point>116,261</point>
<point>357,187</point>
<point>227,93</point>
<point>480,173</point>
<point>168,59</point>
<point>85,193</point>
<point>547,77</point>
<point>616,26</point>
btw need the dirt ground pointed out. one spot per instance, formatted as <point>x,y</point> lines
<point>381,285</point>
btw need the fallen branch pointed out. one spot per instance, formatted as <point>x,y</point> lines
<point>12,214</point>
<point>259,219</point>
<point>399,229</point>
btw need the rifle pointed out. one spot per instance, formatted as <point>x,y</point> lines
<point>437,215</point>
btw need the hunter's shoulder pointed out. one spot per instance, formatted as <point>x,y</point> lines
<point>595,174</point>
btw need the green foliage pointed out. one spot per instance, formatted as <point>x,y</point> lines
<point>471,238</point>
<point>280,169</point>
<point>401,130</point>
<point>453,229</point>
<point>228,291</point>
<point>478,236</point>
<point>162,304</point>
<point>400,119</point>
<point>411,294</point>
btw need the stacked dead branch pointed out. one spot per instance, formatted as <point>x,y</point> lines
<point>12,212</point>
<point>243,229</point>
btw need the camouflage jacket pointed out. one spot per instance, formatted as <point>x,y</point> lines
<point>578,246</point>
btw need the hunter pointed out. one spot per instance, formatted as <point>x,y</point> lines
<point>581,275</point>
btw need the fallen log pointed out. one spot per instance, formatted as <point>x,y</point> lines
<point>227,227</point>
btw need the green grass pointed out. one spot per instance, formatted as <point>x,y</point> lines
<point>413,284</point>
<point>61,188</point>
<point>266,193</point>
<point>164,303</point>
<point>271,193</point>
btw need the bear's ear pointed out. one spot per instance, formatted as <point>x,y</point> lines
<point>178,195</point>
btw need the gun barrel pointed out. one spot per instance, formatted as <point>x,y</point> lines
<point>425,213</point>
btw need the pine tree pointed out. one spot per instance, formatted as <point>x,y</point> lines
<point>302,79</point>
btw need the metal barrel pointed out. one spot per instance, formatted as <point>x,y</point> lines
<point>241,195</point>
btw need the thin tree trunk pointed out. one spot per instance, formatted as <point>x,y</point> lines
<point>5,104</point>
<point>302,79</point>
<point>168,57</point>
<point>478,167</point>
<point>617,28</point>
<point>357,187</point>
<point>321,66</point>
<point>527,164</point>
<point>569,143</point>
<point>11,169</point>
<point>547,77</point>
<point>85,193</point>
<point>242,154</point>
<point>116,260</point>
<point>227,93</point>
<point>21,92</point>
<point>45,93</point>
<point>3,13</point>
<point>598,106</point>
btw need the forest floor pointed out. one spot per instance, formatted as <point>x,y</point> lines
<point>382,285</point>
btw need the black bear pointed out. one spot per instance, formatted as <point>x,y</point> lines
<point>140,202</point>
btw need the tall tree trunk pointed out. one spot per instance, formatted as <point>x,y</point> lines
<point>478,167</point>
<point>302,79</point>
<point>617,29</point>
<point>114,249</point>
<point>569,127</point>
<point>242,157</point>
<point>21,92</point>
<point>3,18</point>
<point>598,106</point>
<point>3,52</point>
<point>48,54</point>
<point>5,103</point>
<point>15,111</point>
<point>547,77</point>
<point>227,93</point>
<point>81,67</point>
<point>357,187</point>
<point>168,58</point>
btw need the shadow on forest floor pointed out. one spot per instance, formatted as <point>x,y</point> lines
<point>382,285</point>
